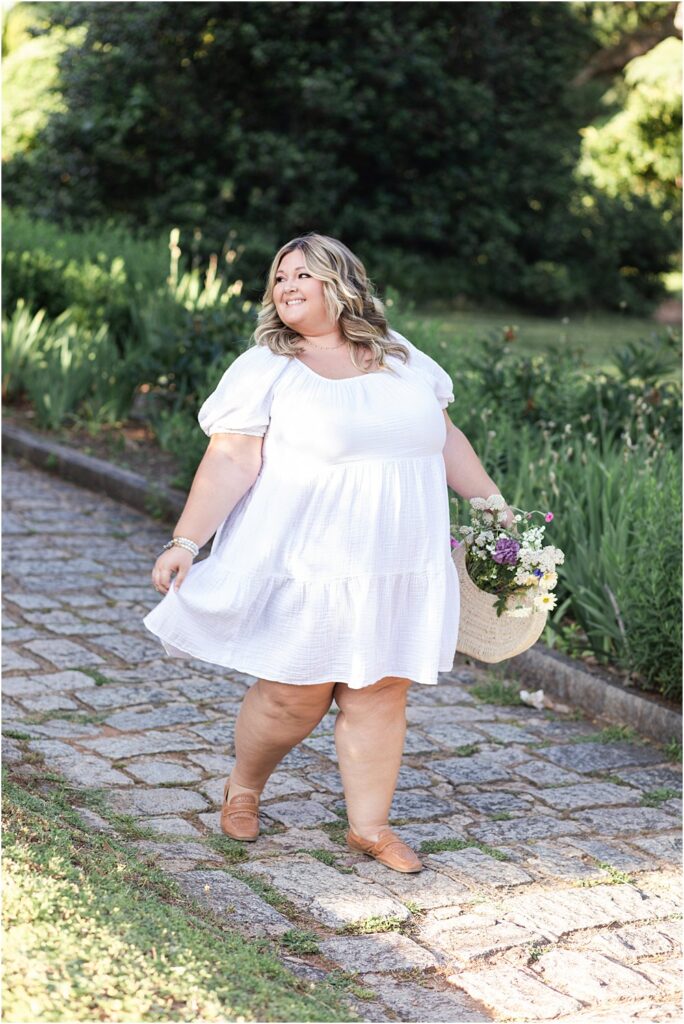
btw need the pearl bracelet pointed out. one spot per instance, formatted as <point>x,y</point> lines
<point>182,542</point>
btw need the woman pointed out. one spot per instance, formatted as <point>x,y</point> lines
<point>330,575</point>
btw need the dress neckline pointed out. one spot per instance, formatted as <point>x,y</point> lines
<point>337,380</point>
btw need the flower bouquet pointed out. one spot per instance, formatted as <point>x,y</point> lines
<point>506,581</point>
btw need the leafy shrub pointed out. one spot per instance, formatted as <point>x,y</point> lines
<point>598,451</point>
<point>65,368</point>
<point>650,594</point>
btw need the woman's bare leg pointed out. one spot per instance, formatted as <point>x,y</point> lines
<point>369,736</point>
<point>273,718</point>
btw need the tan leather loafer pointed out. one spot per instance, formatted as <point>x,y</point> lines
<point>388,849</point>
<point>240,815</point>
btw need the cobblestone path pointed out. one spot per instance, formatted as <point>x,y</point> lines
<point>551,888</point>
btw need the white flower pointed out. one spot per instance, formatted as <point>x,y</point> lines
<point>519,613</point>
<point>478,503</point>
<point>545,602</point>
<point>496,502</point>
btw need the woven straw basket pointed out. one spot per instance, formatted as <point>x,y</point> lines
<point>484,635</point>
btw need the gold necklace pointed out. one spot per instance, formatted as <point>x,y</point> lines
<point>328,347</point>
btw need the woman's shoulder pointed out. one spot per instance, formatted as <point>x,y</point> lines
<point>427,367</point>
<point>260,355</point>
<point>257,362</point>
<point>413,351</point>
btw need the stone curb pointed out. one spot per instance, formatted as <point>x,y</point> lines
<point>555,673</point>
<point>96,474</point>
<point>596,693</point>
<point>592,691</point>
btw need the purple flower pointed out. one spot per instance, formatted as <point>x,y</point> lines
<point>537,572</point>
<point>548,517</point>
<point>506,551</point>
<point>455,543</point>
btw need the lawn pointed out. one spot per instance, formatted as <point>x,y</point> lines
<point>91,933</point>
<point>598,334</point>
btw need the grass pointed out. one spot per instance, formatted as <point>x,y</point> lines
<point>77,716</point>
<point>347,980</point>
<point>98,677</point>
<point>300,941</point>
<point>616,877</point>
<point>610,734</point>
<point>370,925</point>
<point>616,734</point>
<point>495,690</point>
<point>337,830</point>
<point>326,857</point>
<point>268,893</point>
<point>232,850</point>
<point>93,933</point>
<point>536,951</point>
<point>655,797</point>
<point>602,776</point>
<point>437,845</point>
<point>673,750</point>
<point>598,334</point>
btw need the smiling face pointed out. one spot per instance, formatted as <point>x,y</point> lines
<point>298,295</point>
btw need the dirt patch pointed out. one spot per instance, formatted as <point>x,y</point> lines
<point>130,444</point>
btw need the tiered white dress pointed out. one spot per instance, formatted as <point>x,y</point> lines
<point>336,564</point>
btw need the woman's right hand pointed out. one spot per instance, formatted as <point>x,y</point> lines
<point>175,559</point>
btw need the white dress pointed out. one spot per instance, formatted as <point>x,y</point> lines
<point>336,564</point>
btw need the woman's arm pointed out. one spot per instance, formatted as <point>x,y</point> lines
<point>228,469</point>
<point>465,473</point>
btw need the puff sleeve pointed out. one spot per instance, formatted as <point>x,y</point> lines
<point>438,379</point>
<point>241,401</point>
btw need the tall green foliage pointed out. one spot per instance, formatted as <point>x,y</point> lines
<point>438,139</point>
<point>638,150</point>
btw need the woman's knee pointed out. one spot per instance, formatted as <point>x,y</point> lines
<point>387,693</point>
<point>295,701</point>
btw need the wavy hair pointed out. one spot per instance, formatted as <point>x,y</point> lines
<point>349,300</point>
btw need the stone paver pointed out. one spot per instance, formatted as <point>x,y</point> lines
<point>590,977</point>
<point>386,951</point>
<point>473,936</point>
<point>426,889</point>
<point>511,992</point>
<point>230,898</point>
<point>421,1002</point>
<point>478,868</point>
<point>577,920</point>
<point>332,898</point>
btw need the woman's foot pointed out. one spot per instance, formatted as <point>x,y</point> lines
<point>240,812</point>
<point>387,848</point>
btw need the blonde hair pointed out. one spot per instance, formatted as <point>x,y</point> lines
<point>348,297</point>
